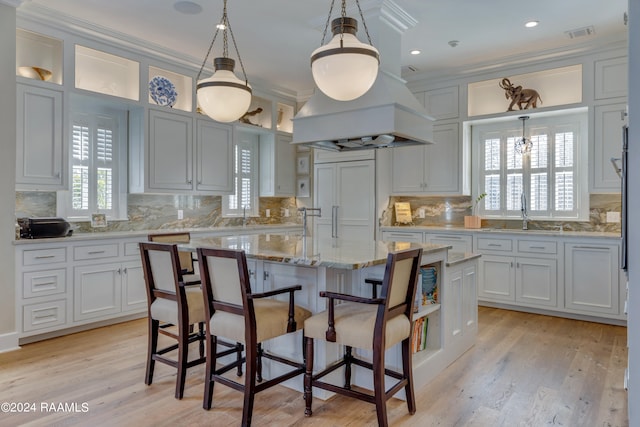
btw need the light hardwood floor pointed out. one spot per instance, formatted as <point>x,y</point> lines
<point>525,370</point>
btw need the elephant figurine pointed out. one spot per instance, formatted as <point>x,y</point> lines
<point>521,97</point>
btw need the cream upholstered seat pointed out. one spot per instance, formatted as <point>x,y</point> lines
<point>172,303</point>
<point>374,324</point>
<point>189,275</point>
<point>238,314</point>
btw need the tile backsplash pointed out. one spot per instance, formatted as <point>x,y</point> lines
<point>439,211</point>
<point>157,211</point>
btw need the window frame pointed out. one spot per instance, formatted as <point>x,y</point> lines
<point>578,118</point>
<point>93,113</point>
<point>252,143</point>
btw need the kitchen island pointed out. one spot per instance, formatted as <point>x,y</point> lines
<point>339,265</point>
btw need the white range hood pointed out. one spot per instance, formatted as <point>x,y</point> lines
<point>388,115</point>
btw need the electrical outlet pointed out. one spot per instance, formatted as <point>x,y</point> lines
<point>267,213</point>
<point>421,213</point>
<point>286,213</point>
<point>613,216</point>
<point>180,214</point>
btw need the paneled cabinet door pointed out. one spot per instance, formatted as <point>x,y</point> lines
<point>214,157</point>
<point>537,281</point>
<point>277,167</point>
<point>170,154</point>
<point>497,278</point>
<point>96,291</point>
<point>134,293</point>
<point>39,149</point>
<point>609,120</point>
<point>430,169</point>
<point>592,278</point>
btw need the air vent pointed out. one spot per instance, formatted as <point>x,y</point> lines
<point>581,32</point>
<point>406,69</point>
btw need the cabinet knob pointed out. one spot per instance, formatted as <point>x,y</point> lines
<point>189,181</point>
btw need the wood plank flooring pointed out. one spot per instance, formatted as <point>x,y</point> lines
<point>525,370</point>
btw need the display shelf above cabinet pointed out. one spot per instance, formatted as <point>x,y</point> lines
<point>105,73</point>
<point>284,114</point>
<point>182,85</point>
<point>38,57</point>
<point>259,113</point>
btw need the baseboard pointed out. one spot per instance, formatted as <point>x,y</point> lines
<point>9,342</point>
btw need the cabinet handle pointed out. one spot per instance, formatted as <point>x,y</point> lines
<point>95,252</point>
<point>590,247</point>
<point>199,182</point>
<point>265,275</point>
<point>536,247</point>
<point>447,237</point>
<point>124,270</point>
<point>189,181</point>
<point>494,245</point>
<point>44,316</point>
<point>37,285</point>
<point>119,271</point>
<point>252,273</point>
<point>623,114</point>
<point>45,256</point>
<point>511,264</point>
<point>57,175</point>
<point>517,265</point>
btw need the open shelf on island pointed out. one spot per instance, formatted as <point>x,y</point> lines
<point>183,87</point>
<point>108,74</point>
<point>38,57</point>
<point>426,310</point>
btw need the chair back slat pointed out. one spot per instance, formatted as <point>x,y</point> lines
<point>161,263</point>
<point>225,280</point>
<point>399,285</point>
<point>400,281</point>
<point>162,274</point>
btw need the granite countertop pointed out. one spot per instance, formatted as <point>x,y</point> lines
<point>454,258</point>
<point>279,228</point>
<point>311,252</point>
<point>552,233</point>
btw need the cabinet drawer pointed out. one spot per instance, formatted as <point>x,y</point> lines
<point>399,236</point>
<point>44,256</point>
<point>131,249</point>
<point>96,251</point>
<point>488,244</point>
<point>533,246</point>
<point>40,283</point>
<point>44,315</point>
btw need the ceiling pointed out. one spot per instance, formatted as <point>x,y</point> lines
<point>276,37</point>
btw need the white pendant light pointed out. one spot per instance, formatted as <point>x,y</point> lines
<point>223,96</point>
<point>345,68</point>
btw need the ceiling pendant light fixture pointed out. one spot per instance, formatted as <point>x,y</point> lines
<point>524,144</point>
<point>223,96</point>
<point>345,68</point>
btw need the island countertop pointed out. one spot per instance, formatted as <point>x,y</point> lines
<point>309,251</point>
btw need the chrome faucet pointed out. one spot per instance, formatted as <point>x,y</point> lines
<point>244,216</point>
<point>305,213</point>
<point>523,210</point>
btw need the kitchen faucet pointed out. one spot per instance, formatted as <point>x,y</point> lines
<point>244,216</point>
<point>305,214</point>
<point>523,209</point>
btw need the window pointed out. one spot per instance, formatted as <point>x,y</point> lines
<point>552,178</point>
<point>244,200</point>
<point>96,181</point>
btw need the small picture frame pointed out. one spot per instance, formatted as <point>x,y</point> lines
<point>302,165</point>
<point>98,220</point>
<point>302,187</point>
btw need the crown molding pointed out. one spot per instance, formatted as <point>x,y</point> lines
<point>13,3</point>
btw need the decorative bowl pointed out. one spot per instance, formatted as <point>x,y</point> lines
<point>162,91</point>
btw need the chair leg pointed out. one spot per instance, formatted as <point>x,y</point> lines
<point>209,368</point>
<point>347,367</point>
<point>154,326</point>
<point>259,364</point>
<point>249,384</point>
<point>308,375</point>
<point>378,386</point>
<point>183,357</point>
<point>407,371</point>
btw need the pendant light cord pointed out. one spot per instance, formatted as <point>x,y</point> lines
<point>224,24</point>
<point>343,14</point>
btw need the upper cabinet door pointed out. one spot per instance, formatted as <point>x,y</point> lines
<point>407,170</point>
<point>607,144</point>
<point>214,157</point>
<point>444,161</point>
<point>40,161</point>
<point>170,151</point>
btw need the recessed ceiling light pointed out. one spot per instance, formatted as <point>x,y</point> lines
<point>187,7</point>
<point>531,24</point>
<point>415,52</point>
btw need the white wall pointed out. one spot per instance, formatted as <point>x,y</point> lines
<point>633,322</point>
<point>8,338</point>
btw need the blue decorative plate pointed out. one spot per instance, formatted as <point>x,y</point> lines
<point>162,91</point>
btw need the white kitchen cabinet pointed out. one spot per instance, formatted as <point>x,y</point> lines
<point>462,308</point>
<point>402,236</point>
<point>592,278</point>
<point>442,103</point>
<point>611,78</point>
<point>96,290</point>
<point>536,281</point>
<point>607,144</point>
<point>214,157</point>
<point>497,278</point>
<point>431,169</point>
<point>134,292</point>
<point>176,164</point>
<point>458,242</point>
<point>277,166</point>
<point>170,153</point>
<point>40,159</point>
<point>345,193</point>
